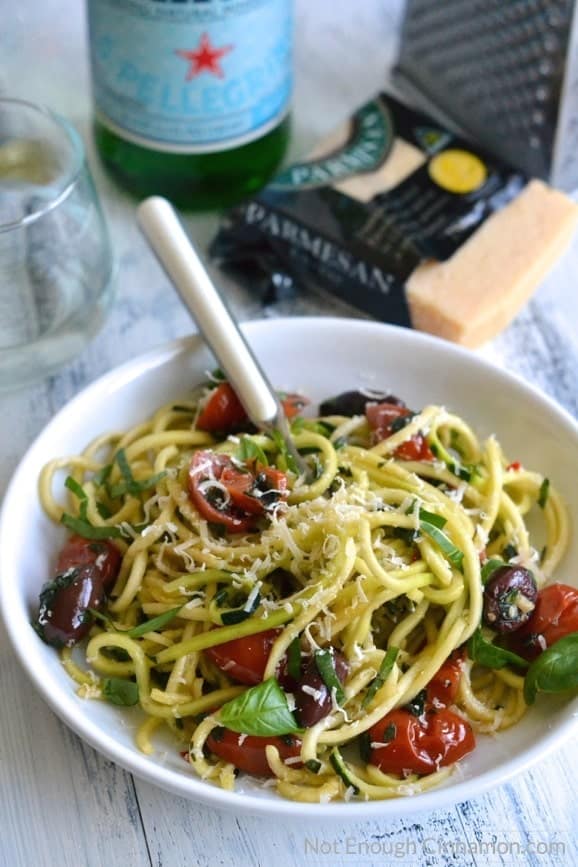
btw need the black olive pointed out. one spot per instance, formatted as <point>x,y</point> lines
<point>509,598</point>
<point>353,402</point>
<point>63,616</point>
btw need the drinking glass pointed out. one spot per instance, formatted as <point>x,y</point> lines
<point>56,265</point>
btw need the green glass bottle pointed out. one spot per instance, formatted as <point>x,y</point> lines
<point>191,97</point>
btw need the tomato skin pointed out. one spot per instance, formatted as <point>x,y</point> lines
<point>293,404</point>
<point>240,511</point>
<point>239,484</point>
<point>101,553</point>
<point>442,690</point>
<point>223,411</point>
<point>381,416</point>
<point>554,616</point>
<point>205,465</point>
<point>419,745</point>
<point>415,448</point>
<point>249,755</point>
<point>244,659</point>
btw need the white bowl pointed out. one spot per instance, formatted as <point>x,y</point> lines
<point>318,357</point>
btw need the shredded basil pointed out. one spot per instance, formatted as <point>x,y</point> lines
<point>261,710</point>
<point>385,670</point>
<point>326,667</point>
<point>80,494</point>
<point>489,568</point>
<point>555,670</point>
<point>120,691</point>
<point>88,531</point>
<point>102,475</point>
<point>129,485</point>
<point>237,615</point>
<point>431,518</point>
<point>142,628</point>
<point>543,493</point>
<point>250,450</point>
<point>454,555</point>
<point>294,658</point>
<point>313,765</point>
<point>284,452</point>
<point>489,655</point>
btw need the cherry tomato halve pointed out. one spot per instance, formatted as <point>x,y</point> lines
<point>223,494</point>
<point>555,615</point>
<point>244,659</point>
<point>223,410</point>
<point>403,743</point>
<point>381,418</point>
<point>247,752</point>
<point>442,690</point>
<point>293,404</point>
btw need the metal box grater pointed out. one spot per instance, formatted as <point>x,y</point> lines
<point>503,71</point>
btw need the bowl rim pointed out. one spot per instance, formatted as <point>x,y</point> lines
<point>143,767</point>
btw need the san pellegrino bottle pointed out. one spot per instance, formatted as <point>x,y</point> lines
<point>191,97</point>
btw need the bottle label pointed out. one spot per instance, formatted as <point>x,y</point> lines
<point>191,76</point>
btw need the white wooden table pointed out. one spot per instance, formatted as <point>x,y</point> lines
<point>62,805</point>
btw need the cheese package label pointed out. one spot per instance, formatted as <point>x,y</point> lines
<point>381,205</point>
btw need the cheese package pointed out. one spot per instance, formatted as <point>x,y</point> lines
<point>404,220</point>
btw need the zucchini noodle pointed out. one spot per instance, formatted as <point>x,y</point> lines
<point>366,573</point>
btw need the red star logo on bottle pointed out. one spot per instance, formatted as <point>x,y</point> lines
<point>205,58</point>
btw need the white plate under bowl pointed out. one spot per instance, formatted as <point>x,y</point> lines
<point>317,357</point>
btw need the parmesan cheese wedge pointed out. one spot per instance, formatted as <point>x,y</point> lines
<point>473,295</point>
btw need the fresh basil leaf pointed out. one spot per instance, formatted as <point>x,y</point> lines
<point>454,555</point>
<point>431,518</point>
<point>142,628</point>
<point>250,450</point>
<point>385,669</point>
<point>555,670</point>
<point>286,455</point>
<point>489,655</point>
<point>102,475</point>
<point>133,487</point>
<point>79,493</point>
<point>103,510</point>
<point>489,568</point>
<point>153,624</point>
<point>237,615</point>
<point>120,691</point>
<point>87,531</point>
<point>326,667</point>
<point>262,710</point>
<point>543,493</point>
<point>129,484</point>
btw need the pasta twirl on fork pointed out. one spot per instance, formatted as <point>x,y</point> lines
<point>345,636</point>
